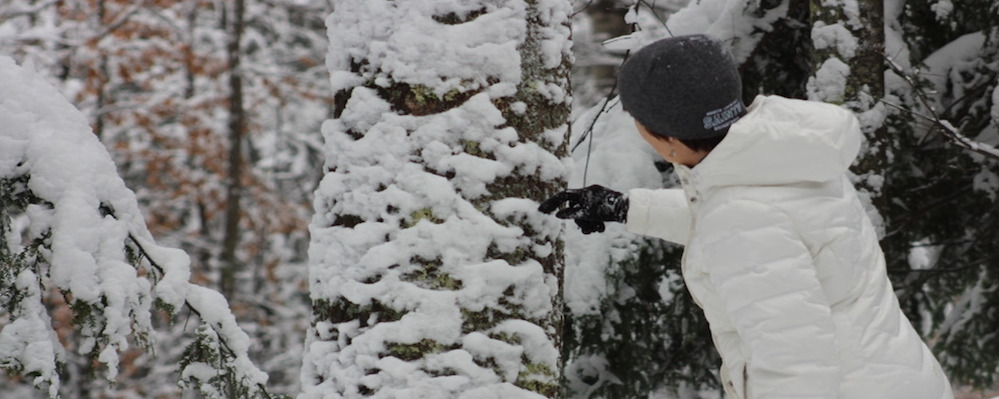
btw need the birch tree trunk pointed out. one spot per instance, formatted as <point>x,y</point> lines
<point>431,272</point>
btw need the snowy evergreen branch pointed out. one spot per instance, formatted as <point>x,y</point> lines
<point>949,131</point>
<point>227,355</point>
<point>86,238</point>
<point>944,127</point>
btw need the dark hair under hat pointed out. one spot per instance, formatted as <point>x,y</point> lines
<point>686,87</point>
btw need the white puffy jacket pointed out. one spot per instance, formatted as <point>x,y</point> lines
<point>786,264</point>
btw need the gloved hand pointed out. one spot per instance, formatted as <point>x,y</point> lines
<point>589,207</point>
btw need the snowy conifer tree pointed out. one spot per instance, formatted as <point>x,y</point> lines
<point>432,273</point>
<point>154,82</point>
<point>74,244</point>
<point>943,180</point>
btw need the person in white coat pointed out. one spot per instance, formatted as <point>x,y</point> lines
<point>779,252</point>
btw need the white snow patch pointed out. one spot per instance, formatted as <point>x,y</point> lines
<point>404,42</point>
<point>942,8</point>
<point>829,82</point>
<point>834,36</point>
<point>727,20</point>
<point>945,64</point>
<point>987,181</point>
<point>994,112</point>
<point>29,340</point>
<point>849,8</point>
<point>923,256</point>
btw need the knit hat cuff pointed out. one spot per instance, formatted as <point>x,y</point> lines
<point>720,119</point>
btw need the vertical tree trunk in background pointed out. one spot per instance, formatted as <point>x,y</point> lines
<point>237,128</point>
<point>188,50</point>
<point>863,63</point>
<point>865,58</point>
<point>869,62</point>
<point>431,272</point>
<point>607,18</point>
<point>782,61</point>
<point>102,70</point>
<point>202,254</point>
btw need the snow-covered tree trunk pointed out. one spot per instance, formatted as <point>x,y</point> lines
<point>432,275</point>
<point>849,65</point>
<point>848,41</point>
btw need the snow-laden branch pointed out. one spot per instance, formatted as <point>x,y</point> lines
<point>943,127</point>
<point>213,309</point>
<point>83,230</point>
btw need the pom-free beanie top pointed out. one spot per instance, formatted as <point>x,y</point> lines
<point>686,87</point>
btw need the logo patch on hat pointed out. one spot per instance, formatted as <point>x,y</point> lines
<point>724,117</point>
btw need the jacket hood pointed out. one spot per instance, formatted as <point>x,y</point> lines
<point>783,141</point>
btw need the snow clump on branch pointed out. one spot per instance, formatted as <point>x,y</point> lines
<point>84,224</point>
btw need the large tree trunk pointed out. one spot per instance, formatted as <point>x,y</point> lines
<point>834,26</point>
<point>849,65</point>
<point>607,19</point>
<point>432,274</point>
<point>861,67</point>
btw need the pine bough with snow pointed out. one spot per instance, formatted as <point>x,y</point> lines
<point>73,238</point>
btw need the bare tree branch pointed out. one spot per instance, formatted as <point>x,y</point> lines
<point>121,19</point>
<point>20,12</point>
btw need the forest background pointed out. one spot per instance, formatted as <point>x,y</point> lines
<point>212,112</point>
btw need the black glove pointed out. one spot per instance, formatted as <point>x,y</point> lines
<point>589,207</point>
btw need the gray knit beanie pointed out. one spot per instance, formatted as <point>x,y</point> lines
<point>686,87</point>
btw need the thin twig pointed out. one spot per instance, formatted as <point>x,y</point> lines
<point>121,20</point>
<point>585,7</point>
<point>589,130</point>
<point>603,110</point>
<point>652,9</point>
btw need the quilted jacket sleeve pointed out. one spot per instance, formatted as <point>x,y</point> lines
<point>766,279</point>
<point>659,213</point>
